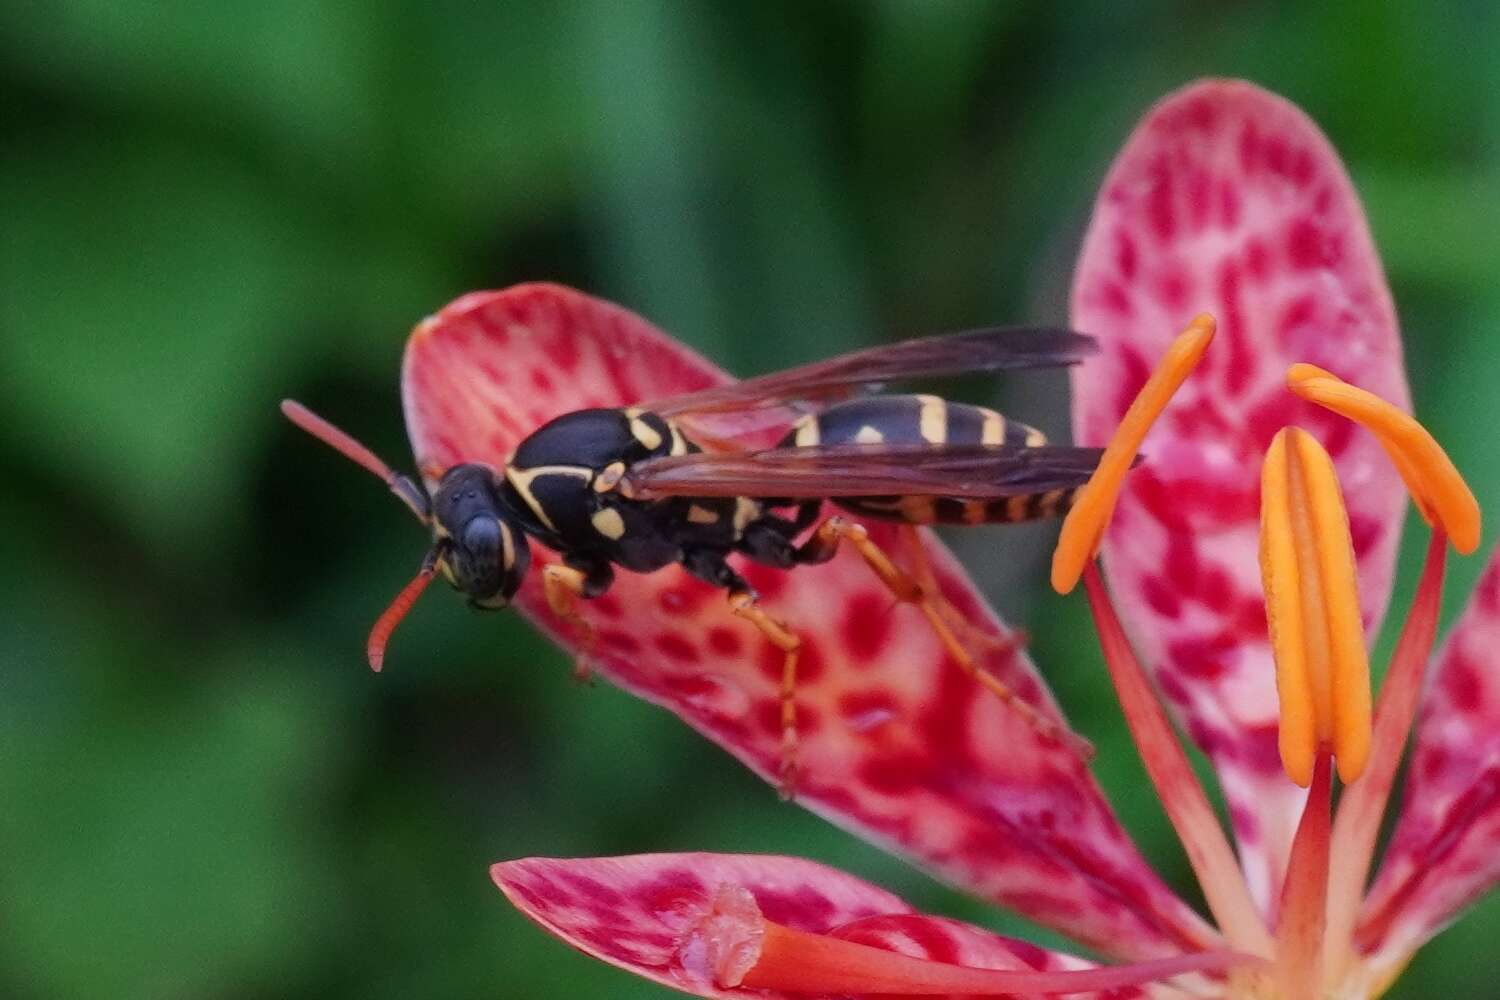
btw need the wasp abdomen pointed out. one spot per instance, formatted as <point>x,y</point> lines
<point>959,510</point>
<point>910,420</point>
<point>923,419</point>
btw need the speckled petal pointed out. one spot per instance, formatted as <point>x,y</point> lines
<point>1446,849</point>
<point>639,912</point>
<point>897,744</point>
<point>655,915</point>
<point>1227,199</point>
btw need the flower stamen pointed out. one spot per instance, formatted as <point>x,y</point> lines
<point>1177,787</point>
<point>1357,825</point>
<point>1084,527</point>
<point>1312,607</point>
<point>794,961</point>
<point>731,945</point>
<point>1302,919</point>
<point>1438,489</point>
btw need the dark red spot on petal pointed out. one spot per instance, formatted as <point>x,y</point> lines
<point>677,647</point>
<point>724,641</point>
<point>1229,204</point>
<point>1261,748</point>
<point>1364,532</point>
<point>621,643</point>
<point>1173,287</point>
<point>1125,254</point>
<point>1307,246</point>
<point>1161,598</point>
<point>1159,208</point>
<point>867,624</point>
<point>1462,682</point>
<point>1205,658</point>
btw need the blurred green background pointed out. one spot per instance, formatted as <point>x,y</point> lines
<point>203,791</point>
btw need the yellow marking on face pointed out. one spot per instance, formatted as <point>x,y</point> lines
<point>1035,438</point>
<point>932,421</point>
<point>993,429</point>
<point>521,480</point>
<point>702,515</point>
<point>869,435</point>
<point>1015,508</point>
<point>609,523</point>
<point>808,432</point>
<point>745,511</point>
<point>507,547</point>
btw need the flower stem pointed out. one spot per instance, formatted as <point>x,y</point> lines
<point>1363,803</point>
<point>794,961</point>
<point>1182,796</point>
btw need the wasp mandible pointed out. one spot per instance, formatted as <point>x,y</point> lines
<point>639,488</point>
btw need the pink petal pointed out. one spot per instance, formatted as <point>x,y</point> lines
<point>639,912</point>
<point>897,744</point>
<point>1227,199</point>
<point>677,918</point>
<point>1445,852</point>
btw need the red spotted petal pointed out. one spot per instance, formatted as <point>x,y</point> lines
<point>1228,200</point>
<point>1446,850</point>
<point>897,744</point>
<point>647,913</point>
<point>684,919</point>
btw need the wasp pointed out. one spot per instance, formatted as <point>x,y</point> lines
<point>642,487</point>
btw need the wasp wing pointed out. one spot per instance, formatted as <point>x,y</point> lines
<point>990,349</point>
<point>967,471</point>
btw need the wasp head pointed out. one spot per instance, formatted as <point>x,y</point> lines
<point>483,550</point>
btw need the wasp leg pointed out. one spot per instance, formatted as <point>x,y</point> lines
<point>921,568</point>
<point>565,582</point>
<point>709,565</point>
<point>822,546</point>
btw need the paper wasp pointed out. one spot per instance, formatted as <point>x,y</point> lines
<point>635,488</point>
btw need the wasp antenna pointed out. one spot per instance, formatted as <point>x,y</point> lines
<point>408,491</point>
<point>380,633</point>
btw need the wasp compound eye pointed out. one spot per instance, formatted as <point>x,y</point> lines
<point>481,536</point>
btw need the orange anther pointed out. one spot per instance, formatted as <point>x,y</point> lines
<point>1084,527</point>
<point>1312,607</point>
<point>1439,491</point>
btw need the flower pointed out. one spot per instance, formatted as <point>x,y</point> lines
<point>1226,201</point>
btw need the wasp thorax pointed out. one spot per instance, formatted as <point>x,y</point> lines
<point>484,551</point>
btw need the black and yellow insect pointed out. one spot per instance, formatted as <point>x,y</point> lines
<point>631,488</point>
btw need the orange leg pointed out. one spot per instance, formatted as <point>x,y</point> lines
<point>563,586</point>
<point>742,603</point>
<point>911,538</point>
<point>825,541</point>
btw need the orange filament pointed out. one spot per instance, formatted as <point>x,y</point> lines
<point>1312,607</point>
<point>1177,786</point>
<point>1084,527</point>
<point>1437,488</point>
<point>794,961</point>
<point>1361,807</point>
<point>1301,922</point>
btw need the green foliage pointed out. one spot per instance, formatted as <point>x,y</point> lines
<point>210,206</point>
